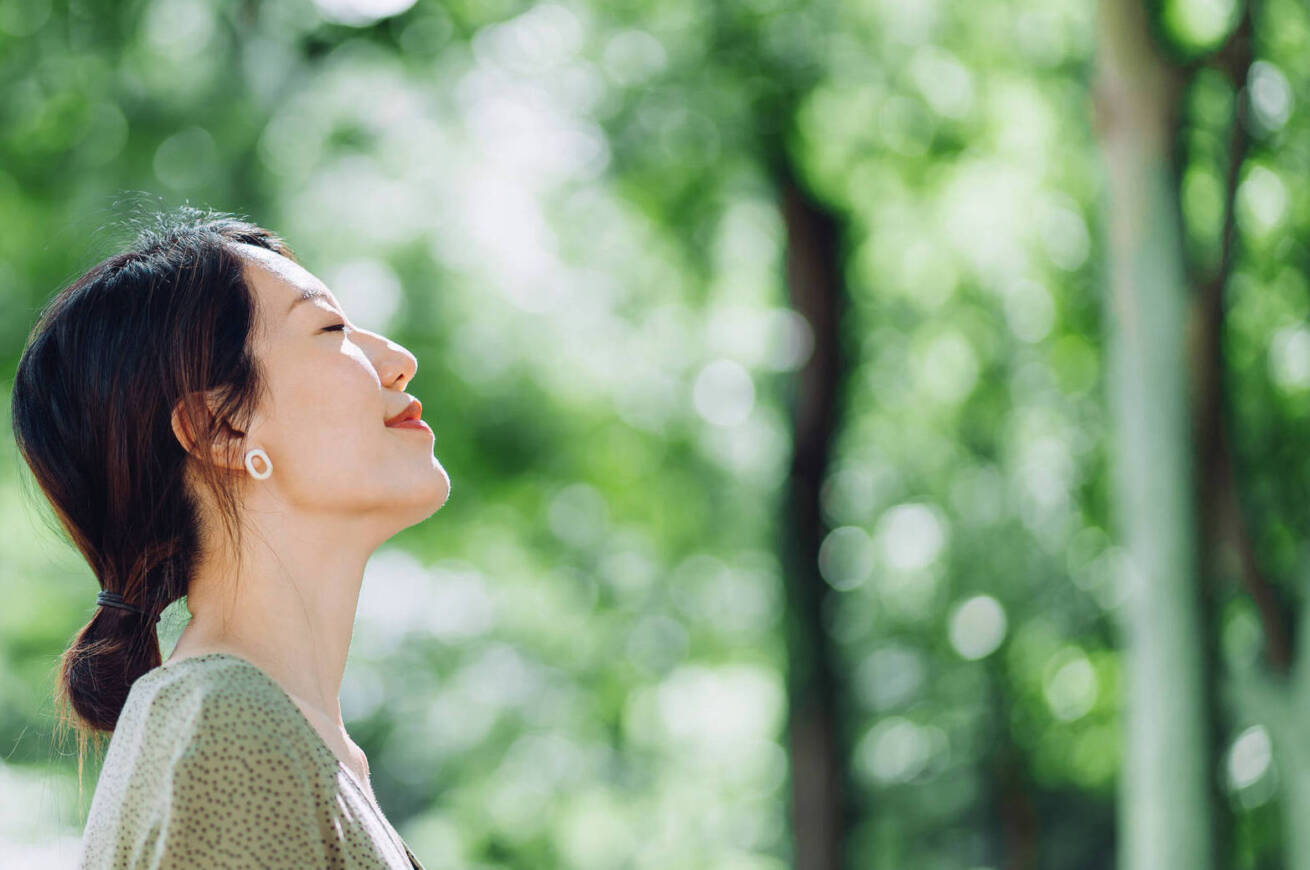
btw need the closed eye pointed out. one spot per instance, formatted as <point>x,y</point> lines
<point>334,328</point>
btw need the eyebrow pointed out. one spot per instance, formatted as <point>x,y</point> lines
<point>306,295</point>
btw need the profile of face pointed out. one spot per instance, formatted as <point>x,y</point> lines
<point>331,386</point>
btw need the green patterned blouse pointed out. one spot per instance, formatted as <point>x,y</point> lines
<point>212,765</point>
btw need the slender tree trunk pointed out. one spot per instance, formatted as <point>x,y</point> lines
<point>1014,793</point>
<point>1165,798</point>
<point>1278,695</point>
<point>817,747</point>
<point>1218,516</point>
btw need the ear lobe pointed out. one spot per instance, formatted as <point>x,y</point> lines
<point>190,416</point>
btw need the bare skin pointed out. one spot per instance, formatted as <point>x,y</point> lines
<point>342,484</point>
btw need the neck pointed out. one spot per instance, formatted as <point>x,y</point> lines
<point>289,612</point>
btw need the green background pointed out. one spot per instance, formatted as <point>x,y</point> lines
<point>574,215</point>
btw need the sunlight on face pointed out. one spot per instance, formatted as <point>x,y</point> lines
<point>331,387</point>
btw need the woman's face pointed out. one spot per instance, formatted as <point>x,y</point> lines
<point>331,387</point>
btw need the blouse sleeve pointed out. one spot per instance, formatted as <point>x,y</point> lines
<point>236,796</point>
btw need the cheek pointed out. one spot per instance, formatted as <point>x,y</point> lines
<point>333,390</point>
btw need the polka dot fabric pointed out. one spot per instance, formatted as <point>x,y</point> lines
<point>214,767</point>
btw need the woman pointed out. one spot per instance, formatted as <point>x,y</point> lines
<point>208,423</point>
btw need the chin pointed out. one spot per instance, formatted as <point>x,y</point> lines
<point>433,494</point>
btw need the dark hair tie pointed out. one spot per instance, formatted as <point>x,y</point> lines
<point>113,599</point>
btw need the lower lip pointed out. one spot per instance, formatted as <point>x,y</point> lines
<point>412,424</point>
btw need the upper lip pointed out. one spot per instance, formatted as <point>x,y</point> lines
<point>413,411</point>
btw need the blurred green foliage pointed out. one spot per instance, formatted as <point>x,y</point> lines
<point>569,213</point>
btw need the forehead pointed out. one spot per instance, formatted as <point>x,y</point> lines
<point>279,281</point>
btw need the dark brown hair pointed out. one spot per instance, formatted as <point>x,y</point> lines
<point>165,324</point>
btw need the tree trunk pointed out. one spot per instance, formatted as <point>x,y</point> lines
<point>818,752</point>
<point>1165,806</point>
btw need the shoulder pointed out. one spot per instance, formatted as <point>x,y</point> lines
<point>200,711</point>
<point>206,759</point>
<point>239,775</point>
<point>196,693</point>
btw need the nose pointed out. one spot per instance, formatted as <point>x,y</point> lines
<point>395,364</point>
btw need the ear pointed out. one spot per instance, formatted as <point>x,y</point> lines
<point>198,410</point>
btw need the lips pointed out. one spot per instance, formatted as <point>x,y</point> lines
<point>413,411</point>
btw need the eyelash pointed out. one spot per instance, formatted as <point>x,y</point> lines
<point>335,327</point>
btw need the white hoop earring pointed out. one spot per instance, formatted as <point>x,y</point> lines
<point>250,466</point>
